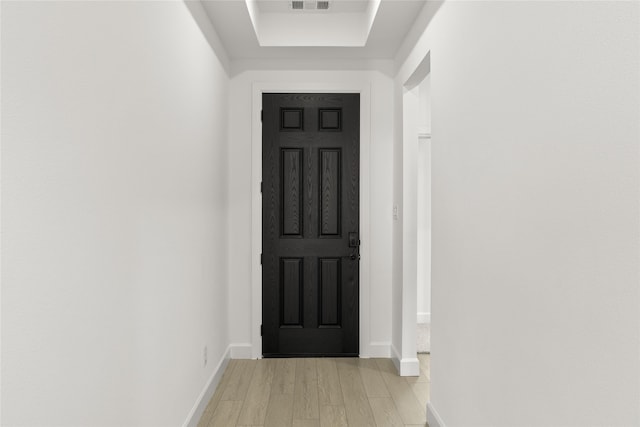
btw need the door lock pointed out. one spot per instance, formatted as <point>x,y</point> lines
<point>354,242</point>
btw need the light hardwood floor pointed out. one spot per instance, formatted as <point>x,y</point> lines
<point>318,392</point>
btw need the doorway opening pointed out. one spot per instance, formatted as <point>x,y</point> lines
<point>254,349</point>
<point>416,253</point>
<point>423,131</point>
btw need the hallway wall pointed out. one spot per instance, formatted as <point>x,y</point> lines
<point>424,202</point>
<point>535,302</point>
<point>379,199</point>
<point>114,194</point>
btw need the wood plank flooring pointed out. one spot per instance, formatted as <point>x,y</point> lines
<point>322,392</point>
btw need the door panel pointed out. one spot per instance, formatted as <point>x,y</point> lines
<point>330,192</point>
<point>291,182</point>
<point>310,207</point>
<point>330,284</point>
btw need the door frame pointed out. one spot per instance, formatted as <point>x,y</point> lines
<point>406,361</point>
<point>258,88</point>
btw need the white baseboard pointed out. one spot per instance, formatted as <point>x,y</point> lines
<point>407,367</point>
<point>241,351</point>
<point>379,349</point>
<point>433,419</point>
<point>207,392</point>
<point>424,317</point>
<point>410,367</point>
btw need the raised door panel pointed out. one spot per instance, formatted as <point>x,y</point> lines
<point>291,291</point>
<point>330,192</point>
<point>330,285</point>
<point>291,194</point>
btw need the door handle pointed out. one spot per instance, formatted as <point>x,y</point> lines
<point>354,242</point>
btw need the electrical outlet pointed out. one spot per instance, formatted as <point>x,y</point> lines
<point>204,353</point>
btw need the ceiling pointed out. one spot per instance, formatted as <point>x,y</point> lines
<point>335,6</point>
<point>299,39</point>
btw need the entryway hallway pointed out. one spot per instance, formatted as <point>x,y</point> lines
<point>131,220</point>
<point>328,392</point>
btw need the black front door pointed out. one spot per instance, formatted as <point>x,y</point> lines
<point>310,224</point>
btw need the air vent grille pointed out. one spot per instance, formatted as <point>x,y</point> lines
<point>309,5</point>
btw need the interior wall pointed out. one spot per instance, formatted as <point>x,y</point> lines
<point>406,216</point>
<point>114,194</point>
<point>397,303</point>
<point>535,110</point>
<point>240,186</point>
<point>406,266</point>
<point>424,105</point>
<point>423,137</point>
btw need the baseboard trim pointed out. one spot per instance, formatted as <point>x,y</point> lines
<point>207,392</point>
<point>241,351</point>
<point>379,349</point>
<point>407,367</point>
<point>433,419</point>
<point>424,317</point>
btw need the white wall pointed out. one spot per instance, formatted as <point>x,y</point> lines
<point>406,237</point>
<point>424,105</point>
<point>424,231</point>
<point>535,110</point>
<point>424,201</point>
<point>379,206</point>
<point>113,213</point>
<point>397,303</point>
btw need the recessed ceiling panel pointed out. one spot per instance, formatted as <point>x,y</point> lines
<point>233,24</point>
<point>335,6</point>
<point>312,22</point>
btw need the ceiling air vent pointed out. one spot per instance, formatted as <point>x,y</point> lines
<point>309,5</point>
